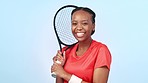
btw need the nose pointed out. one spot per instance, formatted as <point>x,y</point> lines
<point>79,27</point>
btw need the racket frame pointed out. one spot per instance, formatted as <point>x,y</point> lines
<point>59,41</point>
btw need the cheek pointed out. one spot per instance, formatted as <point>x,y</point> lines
<point>72,29</point>
<point>90,29</point>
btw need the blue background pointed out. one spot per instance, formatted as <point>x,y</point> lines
<point>28,42</point>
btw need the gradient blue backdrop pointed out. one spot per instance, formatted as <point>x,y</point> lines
<point>28,42</point>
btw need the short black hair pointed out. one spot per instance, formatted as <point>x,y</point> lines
<point>87,10</point>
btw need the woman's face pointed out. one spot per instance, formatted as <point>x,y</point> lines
<point>82,25</point>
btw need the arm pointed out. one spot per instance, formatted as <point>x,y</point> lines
<point>59,80</point>
<point>102,66</point>
<point>100,75</point>
<point>61,59</point>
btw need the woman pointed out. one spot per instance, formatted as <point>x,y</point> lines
<point>88,61</point>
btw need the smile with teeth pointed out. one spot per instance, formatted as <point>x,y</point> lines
<point>80,34</point>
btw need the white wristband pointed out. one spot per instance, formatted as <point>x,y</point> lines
<point>75,79</point>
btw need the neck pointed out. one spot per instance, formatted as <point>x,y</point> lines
<point>83,46</point>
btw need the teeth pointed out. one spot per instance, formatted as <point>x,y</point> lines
<point>80,34</point>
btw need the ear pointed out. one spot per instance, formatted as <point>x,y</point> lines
<point>93,29</point>
<point>94,26</point>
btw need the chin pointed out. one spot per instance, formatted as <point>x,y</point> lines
<point>80,39</point>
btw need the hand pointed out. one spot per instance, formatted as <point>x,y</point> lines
<point>58,69</point>
<point>59,58</point>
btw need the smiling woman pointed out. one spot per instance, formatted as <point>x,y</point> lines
<point>28,42</point>
<point>82,24</point>
<point>87,55</point>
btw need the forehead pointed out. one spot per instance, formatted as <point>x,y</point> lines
<point>82,14</point>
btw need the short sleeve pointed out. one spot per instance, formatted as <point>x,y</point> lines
<point>103,58</point>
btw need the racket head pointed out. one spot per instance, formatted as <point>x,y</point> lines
<point>62,26</point>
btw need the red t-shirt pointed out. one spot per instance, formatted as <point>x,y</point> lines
<point>97,55</point>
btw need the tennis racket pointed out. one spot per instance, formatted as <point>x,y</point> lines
<point>62,28</point>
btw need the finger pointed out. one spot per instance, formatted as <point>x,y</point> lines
<point>52,68</point>
<point>59,52</point>
<point>54,58</point>
<point>64,55</point>
<point>55,64</point>
<point>60,58</point>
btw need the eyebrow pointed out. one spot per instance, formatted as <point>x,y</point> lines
<point>81,20</point>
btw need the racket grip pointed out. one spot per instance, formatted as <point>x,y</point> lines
<point>53,74</point>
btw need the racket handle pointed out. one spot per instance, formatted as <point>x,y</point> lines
<point>53,74</point>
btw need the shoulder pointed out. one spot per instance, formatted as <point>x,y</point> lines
<point>98,45</point>
<point>103,57</point>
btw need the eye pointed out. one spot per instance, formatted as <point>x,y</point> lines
<point>85,23</point>
<point>74,23</point>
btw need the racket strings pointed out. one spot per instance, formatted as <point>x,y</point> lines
<point>63,26</point>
